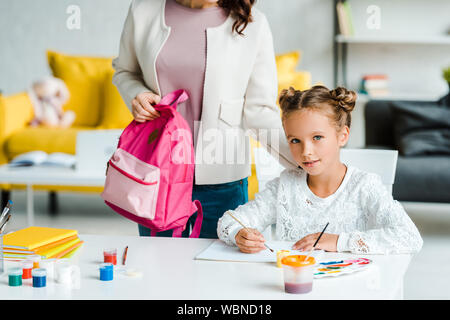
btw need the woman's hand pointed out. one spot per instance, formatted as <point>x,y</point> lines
<point>250,240</point>
<point>142,106</point>
<point>327,242</point>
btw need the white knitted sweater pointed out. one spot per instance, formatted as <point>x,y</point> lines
<point>362,211</point>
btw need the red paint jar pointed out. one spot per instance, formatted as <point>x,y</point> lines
<point>110,256</point>
<point>27,266</point>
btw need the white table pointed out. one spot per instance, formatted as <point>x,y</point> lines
<point>40,175</point>
<point>170,272</point>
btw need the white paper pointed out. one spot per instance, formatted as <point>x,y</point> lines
<point>60,159</point>
<point>220,251</point>
<point>29,158</point>
<point>35,158</point>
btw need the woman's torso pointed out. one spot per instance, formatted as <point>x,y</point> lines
<point>181,62</point>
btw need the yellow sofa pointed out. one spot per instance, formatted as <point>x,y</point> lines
<point>94,99</point>
<point>97,105</point>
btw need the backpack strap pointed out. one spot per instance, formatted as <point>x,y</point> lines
<point>198,221</point>
<point>196,206</point>
<point>172,99</point>
<point>177,232</point>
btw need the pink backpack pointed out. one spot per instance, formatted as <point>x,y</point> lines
<point>150,176</point>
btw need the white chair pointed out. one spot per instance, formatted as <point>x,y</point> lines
<point>381,162</point>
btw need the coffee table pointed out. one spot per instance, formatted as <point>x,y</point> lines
<point>45,175</point>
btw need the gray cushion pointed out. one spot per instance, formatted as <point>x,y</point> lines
<point>445,100</point>
<point>422,142</point>
<point>379,123</point>
<point>421,129</point>
<point>422,178</point>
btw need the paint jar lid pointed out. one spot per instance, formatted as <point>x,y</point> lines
<point>15,272</point>
<point>62,262</point>
<point>107,266</point>
<point>27,264</point>
<point>35,257</point>
<point>39,272</point>
<point>106,271</point>
<point>298,261</point>
<point>110,251</point>
<point>47,262</point>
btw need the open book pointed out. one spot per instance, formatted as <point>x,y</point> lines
<point>34,158</point>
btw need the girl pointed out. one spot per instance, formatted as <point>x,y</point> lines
<point>363,216</point>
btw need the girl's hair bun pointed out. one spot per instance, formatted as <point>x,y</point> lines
<point>345,98</point>
<point>289,99</point>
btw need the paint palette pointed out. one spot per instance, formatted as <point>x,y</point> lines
<point>340,267</point>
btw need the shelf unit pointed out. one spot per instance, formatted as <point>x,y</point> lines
<point>425,40</point>
<point>341,46</point>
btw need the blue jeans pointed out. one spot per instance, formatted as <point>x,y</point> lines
<point>215,200</point>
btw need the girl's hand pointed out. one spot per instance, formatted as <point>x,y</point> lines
<point>327,242</point>
<point>251,241</point>
<point>142,109</point>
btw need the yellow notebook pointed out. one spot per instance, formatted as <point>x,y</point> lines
<point>72,252</point>
<point>51,253</point>
<point>16,255</point>
<point>68,250</point>
<point>34,237</point>
<point>54,244</point>
<point>38,250</point>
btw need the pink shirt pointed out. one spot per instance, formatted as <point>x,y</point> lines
<point>182,61</point>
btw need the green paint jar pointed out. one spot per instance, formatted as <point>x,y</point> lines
<point>15,277</point>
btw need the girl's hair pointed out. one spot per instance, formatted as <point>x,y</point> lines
<point>242,12</point>
<point>339,101</point>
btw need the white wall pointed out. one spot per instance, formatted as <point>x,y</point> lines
<point>29,27</point>
<point>305,25</point>
<point>413,68</point>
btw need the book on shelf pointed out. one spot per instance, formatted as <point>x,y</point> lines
<point>345,19</point>
<point>34,158</point>
<point>375,85</point>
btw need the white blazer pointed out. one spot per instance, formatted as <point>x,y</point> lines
<point>239,94</point>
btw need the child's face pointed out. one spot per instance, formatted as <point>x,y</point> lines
<point>314,140</point>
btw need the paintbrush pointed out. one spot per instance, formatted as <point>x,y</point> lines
<point>4,223</point>
<point>315,243</point>
<point>6,209</point>
<point>124,257</point>
<point>248,230</point>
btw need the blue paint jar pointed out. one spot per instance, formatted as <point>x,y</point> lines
<point>106,271</point>
<point>15,277</point>
<point>39,277</point>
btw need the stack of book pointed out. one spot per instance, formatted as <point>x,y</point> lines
<point>375,85</point>
<point>47,242</point>
<point>345,20</point>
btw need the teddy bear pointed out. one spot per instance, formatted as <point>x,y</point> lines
<point>48,96</point>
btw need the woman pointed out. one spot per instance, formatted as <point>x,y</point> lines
<point>221,53</point>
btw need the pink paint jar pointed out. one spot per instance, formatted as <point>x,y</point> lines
<point>298,274</point>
